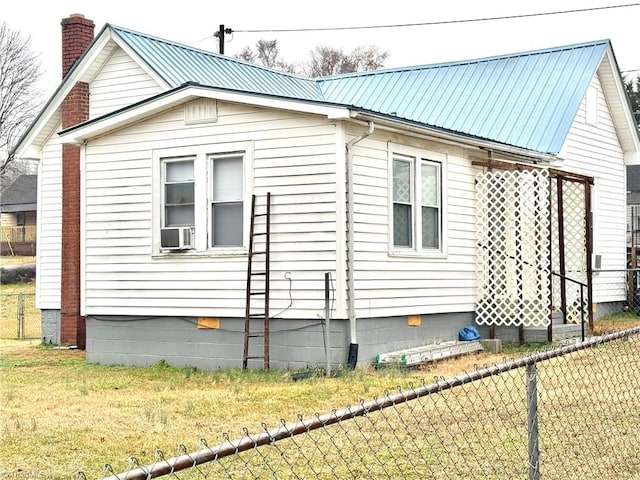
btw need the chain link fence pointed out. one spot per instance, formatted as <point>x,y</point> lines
<point>20,318</point>
<point>617,291</point>
<point>569,412</point>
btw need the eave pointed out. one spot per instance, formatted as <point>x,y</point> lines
<point>456,138</point>
<point>620,108</point>
<point>86,67</point>
<point>185,93</point>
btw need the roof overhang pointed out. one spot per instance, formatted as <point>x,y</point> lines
<point>632,158</point>
<point>185,93</point>
<point>48,120</point>
<point>19,207</point>
<point>456,138</point>
<point>623,119</point>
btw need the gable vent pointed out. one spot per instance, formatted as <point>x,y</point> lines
<point>203,110</point>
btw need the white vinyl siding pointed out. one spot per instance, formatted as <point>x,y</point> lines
<point>49,243</point>
<point>8,219</point>
<point>119,83</point>
<point>594,149</point>
<point>388,283</point>
<point>293,157</point>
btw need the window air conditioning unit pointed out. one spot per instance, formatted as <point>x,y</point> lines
<point>176,238</point>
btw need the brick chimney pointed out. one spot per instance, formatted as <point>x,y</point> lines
<point>77,34</point>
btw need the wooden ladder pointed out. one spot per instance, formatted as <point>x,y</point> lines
<point>258,285</point>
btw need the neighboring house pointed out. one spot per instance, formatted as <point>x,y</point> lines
<point>432,195</point>
<point>18,206</point>
<point>633,205</point>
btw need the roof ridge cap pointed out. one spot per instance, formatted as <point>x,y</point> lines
<point>468,61</point>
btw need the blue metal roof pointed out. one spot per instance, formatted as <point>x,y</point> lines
<point>178,64</point>
<point>527,100</point>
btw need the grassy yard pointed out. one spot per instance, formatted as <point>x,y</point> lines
<point>60,414</point>
<point>16,260</point>
<point>8,310</point>
<point>9,303</point>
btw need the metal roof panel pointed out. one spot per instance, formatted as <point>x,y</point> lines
<point>526,100</point>
<point>178,64</point>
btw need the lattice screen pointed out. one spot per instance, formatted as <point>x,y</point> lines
<point>574,245</point>
<point>513,248</point>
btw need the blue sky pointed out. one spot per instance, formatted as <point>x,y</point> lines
<point>194,23</point>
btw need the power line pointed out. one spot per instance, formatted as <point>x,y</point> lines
<point>444,22</point>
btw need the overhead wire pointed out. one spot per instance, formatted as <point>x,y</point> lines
<point>438,22</point>
<point>434,23</point>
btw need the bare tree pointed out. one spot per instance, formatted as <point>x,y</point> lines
<point>326,61</point>
<point>323,60</point>
<point>632,87</point>
<point>19,97</point>
<point>268,54</point>
<point>247,55</point>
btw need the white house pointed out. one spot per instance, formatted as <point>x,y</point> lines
<point>434,197</point>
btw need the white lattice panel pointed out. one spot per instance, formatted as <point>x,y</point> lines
<point>513,267</point>
<point>574,246</point>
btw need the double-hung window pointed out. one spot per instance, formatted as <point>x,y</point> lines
<point>178,192</point>
<point>203,191</point>
<point>416,211</point>
<point>226,196</point>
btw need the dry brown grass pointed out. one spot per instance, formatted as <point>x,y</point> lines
<point>616,322</point>
<point>9,307</point>
<point>60,415</point>
<point>16,260</point>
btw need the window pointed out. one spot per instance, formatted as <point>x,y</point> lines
<point>227,203</point>
<point>178,193</point>
<point>416,205</point>
<point>402,202</point>
<point>207,189</point>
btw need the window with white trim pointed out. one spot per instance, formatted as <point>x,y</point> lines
<point>416,204</point>
<point>178,192</point>
<point>204,190</point>
<point>226,197</point>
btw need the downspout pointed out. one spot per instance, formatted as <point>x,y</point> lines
<point>351,306</point>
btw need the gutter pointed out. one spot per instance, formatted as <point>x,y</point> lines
<point>402,126</point>
<point>351,307</point>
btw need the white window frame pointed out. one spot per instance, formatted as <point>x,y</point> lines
<point>211,158</point>
<point>202,155</point>
<point>417,158</point>
<point>163,205</point>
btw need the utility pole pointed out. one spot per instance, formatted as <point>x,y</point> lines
<point>220,35</point>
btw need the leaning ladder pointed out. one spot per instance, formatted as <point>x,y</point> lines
<point>257,297</point>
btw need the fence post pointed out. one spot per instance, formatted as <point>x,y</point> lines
<point>20,316</point>
<point>532,421</point>
<point>327,324</point>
